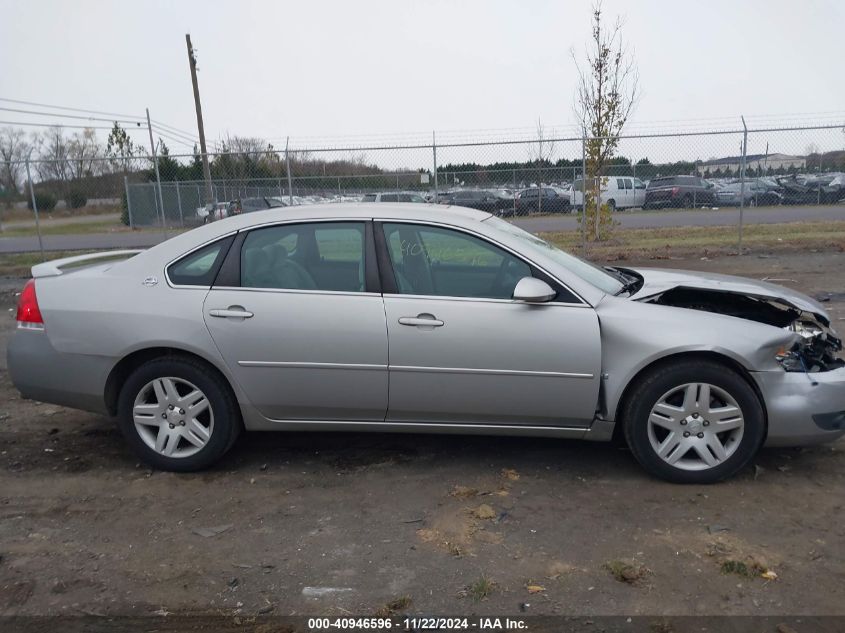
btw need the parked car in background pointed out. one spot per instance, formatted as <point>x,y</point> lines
<point>797,191</point>
<point>835,189</point>
<point>213,212</point>
<point>480,199</point>
<point>679,191</point>
<point>617,192</point>
<point>393,196</point>
<point>248,205</point>
<point>419,318</point>
<point>220,210</point>
<point>756,193</point>
<point>542,199</point>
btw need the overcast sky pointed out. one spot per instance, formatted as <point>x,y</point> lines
<point>335,69</point>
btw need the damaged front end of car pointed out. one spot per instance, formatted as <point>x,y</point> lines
<point>816,347</point>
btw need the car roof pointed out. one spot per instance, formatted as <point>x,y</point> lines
<point>446,214</point>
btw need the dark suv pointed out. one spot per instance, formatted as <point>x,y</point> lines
<point>679,191</point>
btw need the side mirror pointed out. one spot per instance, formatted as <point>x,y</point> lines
<point>533,290</point>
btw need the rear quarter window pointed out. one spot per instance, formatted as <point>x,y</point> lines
<point>200,267</point>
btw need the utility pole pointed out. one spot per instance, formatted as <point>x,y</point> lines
<point>206,170</point>
<point>158,176</point>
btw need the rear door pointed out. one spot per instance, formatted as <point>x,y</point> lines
<point>462,351</point>
<point>638,199</point>
<point>297,316</point>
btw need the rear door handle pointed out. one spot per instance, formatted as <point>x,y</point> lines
<point>232,312</point>
<point>421,320</point>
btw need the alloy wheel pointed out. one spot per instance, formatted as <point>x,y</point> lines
<point>695,426</point>
<point>173,417</point>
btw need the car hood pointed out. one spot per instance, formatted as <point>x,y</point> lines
<point>659,280</point>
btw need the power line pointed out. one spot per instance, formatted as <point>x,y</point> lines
<point>177,134</point>
<point>62,125</point>
<point>69,116</point>
<point>172,138</point>
<point>174,129</point>
<point>68,108</point>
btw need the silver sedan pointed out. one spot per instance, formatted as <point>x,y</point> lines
<point>391,317</point>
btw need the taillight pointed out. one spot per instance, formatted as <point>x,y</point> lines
<point>28,311</point>
<point>675,190</point>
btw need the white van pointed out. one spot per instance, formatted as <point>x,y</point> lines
<point>617,192</point>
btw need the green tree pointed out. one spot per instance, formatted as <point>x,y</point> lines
<point>120,148</point>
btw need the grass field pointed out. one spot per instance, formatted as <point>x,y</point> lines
<point>702,241</point>
<point>47,228</point>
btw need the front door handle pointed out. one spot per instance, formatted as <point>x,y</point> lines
<point>232,312</point>
<point>421,320</point>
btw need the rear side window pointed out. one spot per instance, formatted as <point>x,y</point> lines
<point>370,197</point>
<point>326,256</point>
<point>200,267</point>
<point>390,197</point>
<point>340,243</point>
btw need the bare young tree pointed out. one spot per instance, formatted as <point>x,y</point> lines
<point>608,90</point>
<point>542,150</point>
<point>13,150</point>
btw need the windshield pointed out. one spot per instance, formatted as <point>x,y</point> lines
<point>592,274</point>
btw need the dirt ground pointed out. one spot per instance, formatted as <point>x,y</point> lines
<point>345,524</point>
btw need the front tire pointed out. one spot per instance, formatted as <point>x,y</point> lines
<point>178,414</point>
<point>693,421</point>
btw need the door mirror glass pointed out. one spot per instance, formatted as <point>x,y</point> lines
<point>533,290</point>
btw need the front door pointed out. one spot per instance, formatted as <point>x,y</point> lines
<point>461,350</point>
<point>298,328</point>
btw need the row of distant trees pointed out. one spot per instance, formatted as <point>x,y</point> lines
<point>66,165</point>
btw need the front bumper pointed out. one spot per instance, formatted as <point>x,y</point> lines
<point>803,409</point>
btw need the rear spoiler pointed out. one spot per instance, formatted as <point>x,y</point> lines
<point>55,267</point>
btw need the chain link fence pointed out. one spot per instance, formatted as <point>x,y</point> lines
<point>509,176</point>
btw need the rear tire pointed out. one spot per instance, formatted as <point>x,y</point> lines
<point>678,437</point>
<point>611,205</point>
<point>178,414</point>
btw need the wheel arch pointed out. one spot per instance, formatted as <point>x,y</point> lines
<point>717,357</point>
<point>130,362</point>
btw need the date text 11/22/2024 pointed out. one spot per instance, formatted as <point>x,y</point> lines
<point>421,623</point>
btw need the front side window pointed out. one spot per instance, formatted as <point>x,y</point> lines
<point>319,256</point>
<point>389,197</point>
<point>587,271</point>
<point>200,267</point>
<point>430,260</point>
